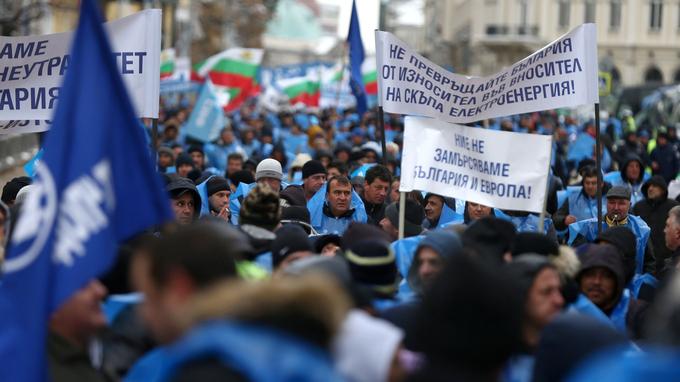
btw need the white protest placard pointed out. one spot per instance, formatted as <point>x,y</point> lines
<point>495,168</point>
<point>562,74</point>
<point>32,69</point>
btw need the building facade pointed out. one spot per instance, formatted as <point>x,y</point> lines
<point>638,40</point>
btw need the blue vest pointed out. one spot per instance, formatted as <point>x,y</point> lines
<point>259,354</point>
<point>404,250</point>
<point>588,229</point>
<point>618,316</point>
<point>583,207</point>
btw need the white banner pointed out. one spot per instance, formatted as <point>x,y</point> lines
<point>562,74</point>
<point>32,69</point>
<point>495,168</point>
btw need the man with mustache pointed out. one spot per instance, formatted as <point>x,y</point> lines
<point>602,280</point>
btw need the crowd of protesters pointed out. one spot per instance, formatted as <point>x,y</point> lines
<point>284,262</point>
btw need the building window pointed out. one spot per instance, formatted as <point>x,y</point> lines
<point>615,14</point>
<point>589,11</point>
<point>655,14</point>
<point>524,10</point>
<point>563,16</point>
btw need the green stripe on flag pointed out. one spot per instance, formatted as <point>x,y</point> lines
<point>239,67</point>
<point>295,90</point>
<point>167,67</point>
<point>370,77</point>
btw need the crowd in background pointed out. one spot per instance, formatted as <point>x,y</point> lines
<point>284,261</point>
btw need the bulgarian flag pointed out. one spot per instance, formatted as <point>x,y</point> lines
<point>167,63</point>
<point>370,76</point>
<point>232,71</point>
<point>305,90</point>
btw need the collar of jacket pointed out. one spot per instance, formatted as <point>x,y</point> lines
<point>327,212</point>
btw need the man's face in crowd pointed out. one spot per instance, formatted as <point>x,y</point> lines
<point>370,157</point>
<point>617,208</point>
<point>377,191</point>
<point>343,156</point>
<point>339,196</point>
<point>234,165</point>
<point>184,208</point>
<point>633,170</point>
<point>219,200</point>
<point>672,233</point>
<point>332,171</point>
<point>654,192</point>
<point>477,211</point>
<point>544,300</point>
<point>429,266</point>
<point>590,186</point>
<point>433,207</point>
<point>313,183</point>
<point>198,158</point>
<point>227,136</point>
<point>184,170</point>
<point>165,160</point>
<point>81,316</point>
<point>273,183</point>
<point>599,285</point>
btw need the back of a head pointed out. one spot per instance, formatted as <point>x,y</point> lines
<point>490,238</point>
<point>357,232</point>
<point>372,264</point>
<point>534,242</point>
<point>242,176</point>
<point>205,250</point>
<point>471,317</point>
<point>261,208</point>
<point>569,339</point>
<point>625,241</point>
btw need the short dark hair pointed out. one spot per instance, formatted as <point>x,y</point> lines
<point>339,180</point>
<point>233,156</point>
<point>207,251</point>
<point>378,172</point>
<point>588,172</point>
<point>342,168</point>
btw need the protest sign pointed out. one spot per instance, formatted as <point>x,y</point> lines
<point>32,69</point>
<point>562,74</point>
<point>495,168</point>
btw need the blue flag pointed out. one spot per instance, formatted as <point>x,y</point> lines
<point>94,188</point>
<point>356,58</point>
<point>207,118</point>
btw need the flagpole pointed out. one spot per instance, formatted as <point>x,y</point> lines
<point>343,64</point>
<point>402,213</point>
<point>154,134</point>
<point>381,122</point>
<point>598,165</point>
<point>541,219</point>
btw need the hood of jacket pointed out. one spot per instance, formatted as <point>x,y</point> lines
<point>308,307</point>
<point>631,158</point>
<point>659,181</point>
<point>605,256</point>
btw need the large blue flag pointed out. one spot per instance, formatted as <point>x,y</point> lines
<point>356,58</point>
<point>94,188</point>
